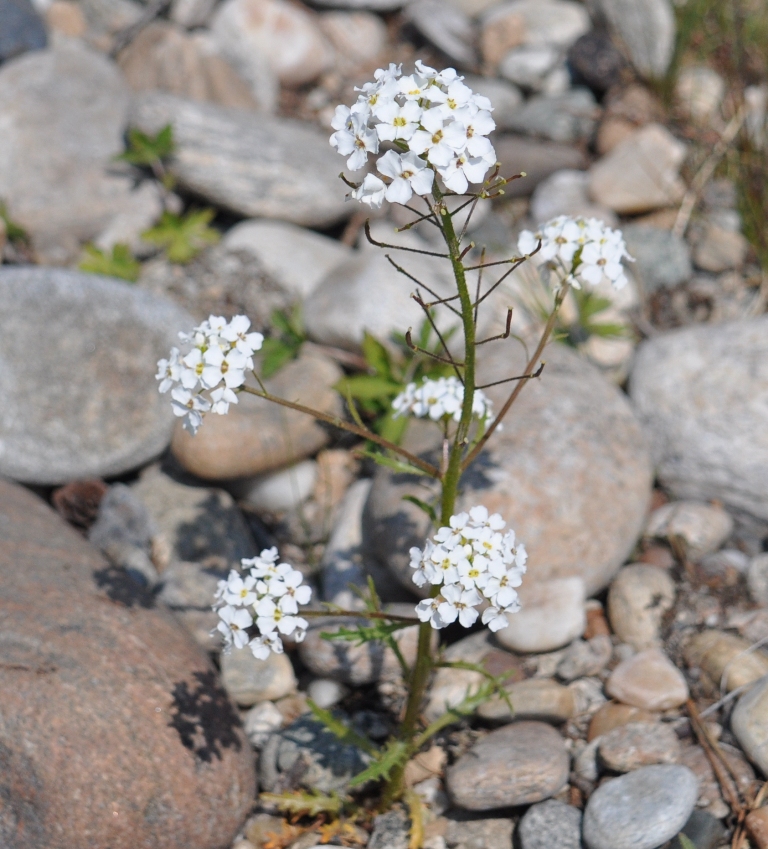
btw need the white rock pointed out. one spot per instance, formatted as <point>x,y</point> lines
<point>699,91</point>
<point>358,38</point>
<point>286,35</point>
<point>757,579</point>
<point>447,27</point>
<point>529,65</point>
<point>639,597</point>
<point>283,490</point>
<point>641,173</point>
<point>325,692</point>
<point>703,527</point>
<point>552,616</point>
<point>555,23</point>
<point>249,680</point>
<point>261,721</point>
<point>297,259</point>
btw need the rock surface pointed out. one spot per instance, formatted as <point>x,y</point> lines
<point>252,164</point>
<point>638,744</point>
<point>703,528</point>
<point>702,396</point>
<point>638,599</point>
<point>564,118</point>
<point>550,824</point>
<point>640,810</point>
<point>663,260</point>
<point>728,661</point>
<point>646,28</point>
<point>535,698</point>
<point>641,173</point>
<point>86,404</point>
<point>20,29</point>
<point>648,680</point>
<point>250,681</point>
<point>64,113</point>
<point>258,436</point>
<point>749,723</point>
<point>578,510</point>
<point>538,159</point>
<point>96,682</point>
<point>516,765</point>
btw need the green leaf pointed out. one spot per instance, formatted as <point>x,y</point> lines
<point>391,427</point>
<point>366,387</point>
<point>391,756</point>
<point>606,330</point>
<point>183,236</point>
<point>341,730</point>
<point>147,150</point>
<point>391,463</point>
<point>685,841</point>
<point>15,232</point>
<point>119,263</point>
<point>362,634</point>
<point>376,355</point>
<point>422,505</point>
<point>274,355</point>
<point>304,803</point>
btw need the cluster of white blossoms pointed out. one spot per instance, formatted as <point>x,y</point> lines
<point>435,122</point>
<point>581,249</point>
<point>221,352</point>
<point>440,398</point>
<point>267,598</point>
<point>471,561</point>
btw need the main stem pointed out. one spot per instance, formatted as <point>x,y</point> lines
<point>450,484</point>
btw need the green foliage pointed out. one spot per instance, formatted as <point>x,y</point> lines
<point>183,236</point>
<point>685,841</point>
<point>588,307</point>
<point>370,394</point>
<point>304,803</point>
<point>119,262</point>
<point>361,634</point>
<point>392,755</point>
<point>147,151</point>
<point>285,343</point>
<point>340,729</point>
<point>13,231</point>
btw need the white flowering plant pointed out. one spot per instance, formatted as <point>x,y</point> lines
<point>429,133</point>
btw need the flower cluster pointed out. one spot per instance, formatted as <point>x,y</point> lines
<point>471,561</point>
<point>221,352</point>
<point>435,122</point>
<point>582,249</point>
<point>440,398</point>
<point>267,597</point>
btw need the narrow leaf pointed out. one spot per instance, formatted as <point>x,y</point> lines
<point>340,729</point>
<point>391,756</point>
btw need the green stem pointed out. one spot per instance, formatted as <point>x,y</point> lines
<point>450,484</point>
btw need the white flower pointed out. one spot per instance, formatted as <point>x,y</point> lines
<point>169,371</point>
<point>427,611</point>
<point>371,191</point>
<point>221,398</point>
<point>397,122</point>
<point>236,332</point>
<point>432,141</point>
<point>464,169</point>
<point>459,604</point>
<point>455,97</point>
<point>440,398</point>
<point>233,625</point>
<point>408,173</point>
<point>190,406</point>
<point>357,142</point>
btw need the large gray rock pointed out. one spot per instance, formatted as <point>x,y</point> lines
<point>79,354</point>
<point>64,112</point>
<point>663,259</point>
<point>646,29</point>
<point>446,26</point>
<point>640,810</point>
<point>116,731</point>
<point>702,396</point>
<point>20,29</point>
<point>252,164</point>
<point>564,118</point>
<point>578,507</point>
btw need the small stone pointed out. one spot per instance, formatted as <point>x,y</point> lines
<point>297,259</point>
<point>338,659</point>
<point>20,29</point>
<point>307,755</point>
<point>710,792</point>
<point>757,827</point>
<point>285,34</point>
<point>663,260</point>
<point>757,579</point>
<point>502,31</point>
<point>585,657</point>
<point>495,833</point>
<point>552,615</point>
<point>102,415</point>
<point>727,564</point>
<point>638,600</point>
<point>538,159</point>
<point>257,435</point>
<point>567,193</point>
<point>699,92</point>
<point>648,680</point>
<point>614,715</point>
<point>66,17</point>
<point>749,723</point>
<point>565,118</point>
<point>530,65</point>
<point>588,696</point>
<point>191,13</point>
<point>698,392</point>
<point>270,167</point>
<point>595,62</point>
<point>640,810</point>
<point>641,173</point>
<point>519,764</point>
<point>702,527</point>
<point>250,680</point>
<point>390,831</point>
<point>647,31</point>
<point>279,491</point>
<point>446,26</point>
<point>639,744</point>
<point>585,763</point>
<point>325,692</point>
<point>261,721</point>
<point>260,827</point>
<point>720,249</point>
<point>537,698</point>
<point>550,824</point>
<point>556,23</point>
<point>611,132</point>
<point>727,660</point>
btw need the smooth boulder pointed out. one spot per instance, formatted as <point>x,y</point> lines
<point>116,730</point>
<point>79,357</point>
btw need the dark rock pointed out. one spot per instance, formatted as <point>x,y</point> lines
<point>20,29</point>
<point>595,62</point>
<point>95,682</point>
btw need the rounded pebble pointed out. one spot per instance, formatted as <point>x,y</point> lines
<point>648,680</point>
